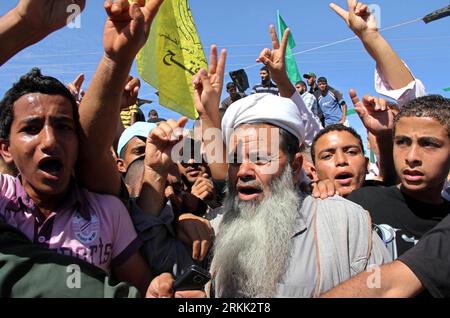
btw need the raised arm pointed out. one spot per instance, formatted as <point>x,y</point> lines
<point>363,24</point>
<point>126,31</point>
<point>31,21</point>
<point>207,90</point>
<point>275,60</point>
<point>158,159</point>
<point>377,115</point>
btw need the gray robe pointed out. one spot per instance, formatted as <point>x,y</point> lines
<point>333,241</point>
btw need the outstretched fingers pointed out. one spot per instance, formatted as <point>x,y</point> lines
<point>221,64</point>
<point>78,82</point>
<point>340,11</point>
<point>213,59</point>
<point>284,42</point>
<point>217,67</point>
<point>359,107</point>
<point>274,37</point>
<point>352,5</point>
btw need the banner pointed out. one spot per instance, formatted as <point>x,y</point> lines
<point>171,56</point>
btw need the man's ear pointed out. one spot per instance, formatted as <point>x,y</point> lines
<point>308,167</point>
<point>4,151</point>
<point>297,164</point>
<point>313,170</point>
<point>121,165</point>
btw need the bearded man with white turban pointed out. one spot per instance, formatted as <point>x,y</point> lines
<point>272,239</point>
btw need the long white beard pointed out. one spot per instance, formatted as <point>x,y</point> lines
<point>254,241</point>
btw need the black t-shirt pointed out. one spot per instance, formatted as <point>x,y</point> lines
<point>399,219</point>
<point>430,260</point>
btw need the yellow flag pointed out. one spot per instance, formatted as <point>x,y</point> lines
<point>172,55</point>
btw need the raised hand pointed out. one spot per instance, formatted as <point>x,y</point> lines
<point>130,92</point>
<point>275,58</point>
<point>157,164</point>
<point>127,27</point>
<point>358,17</point>
<point>46,15</point>
<point>208,87</point>
<point>160,143</point>
<point>75,88</point>
<point>376,114</point>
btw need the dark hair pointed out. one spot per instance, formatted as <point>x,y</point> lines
<point>331,128</point>
<point>152,112</point>
<point>288,143</point>
<point>322,80</point>
<point>32,82</point>
<point>139,115</point>
<point>433,106</point>
<point>300,83</point>
<point>230,84</point>
<point>191,150</point>
<point>265,68</point>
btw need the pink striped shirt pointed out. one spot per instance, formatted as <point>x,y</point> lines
<point>96,228</point>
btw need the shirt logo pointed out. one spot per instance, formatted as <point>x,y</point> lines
<point>86,231</point>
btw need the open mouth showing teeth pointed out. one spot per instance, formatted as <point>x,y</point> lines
<point>51,166</point>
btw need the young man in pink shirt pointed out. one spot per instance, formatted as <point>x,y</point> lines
<point>40,133</point>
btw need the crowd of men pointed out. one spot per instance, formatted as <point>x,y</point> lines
<point>270,192</point>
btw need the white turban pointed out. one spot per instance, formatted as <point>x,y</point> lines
<point>263,108</point>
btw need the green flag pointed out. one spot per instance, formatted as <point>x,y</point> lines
<point>291,65</point>
<point>351,111</point>
<point>372,157</point>
<point>447,89</point>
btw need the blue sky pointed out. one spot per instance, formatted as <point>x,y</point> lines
<point>242,28</point>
